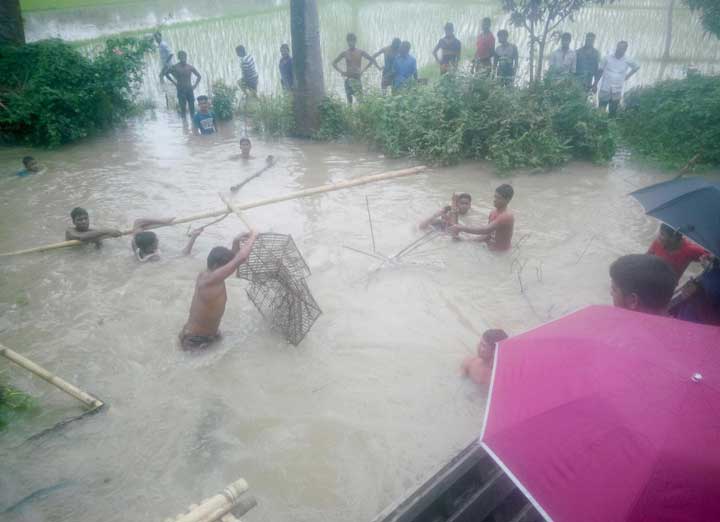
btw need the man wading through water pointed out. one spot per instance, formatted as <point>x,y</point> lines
<point>183,73</point>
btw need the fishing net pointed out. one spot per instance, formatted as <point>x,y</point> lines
<point>277,271</point>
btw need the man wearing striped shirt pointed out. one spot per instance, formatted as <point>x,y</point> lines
<point>249,79</point>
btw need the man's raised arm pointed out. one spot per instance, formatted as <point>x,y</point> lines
<point>241,255</point>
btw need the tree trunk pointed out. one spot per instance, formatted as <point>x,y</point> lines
<point>307,65</point>
<point>532,51</point>
<point>541,58</point>
<point>11,24</point>
<point>668,30</point>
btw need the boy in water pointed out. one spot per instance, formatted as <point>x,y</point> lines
<point>204,118</point>
<point>479,368</point>
<point>144,243</point>
<point>245,148</point>
<point>183,73</point>
<point>208,303</point>
<point>81,230</point>
<point>499,230</point>
<point>31,167</point>
<point>353,67</point>
<point>444,218</point>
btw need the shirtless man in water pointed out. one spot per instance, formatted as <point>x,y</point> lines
<point>499,230</point>
<point>208,303</point>
<point>353,67</point>
<point>180,75</point>
<point>81,230</point>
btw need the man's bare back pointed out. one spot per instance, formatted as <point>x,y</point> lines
<point>208,303</point>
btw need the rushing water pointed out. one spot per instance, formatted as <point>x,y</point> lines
<point>371,401</point>
<point>263,25</point>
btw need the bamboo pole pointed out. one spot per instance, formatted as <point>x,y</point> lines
<point>86,399</point>
<point>217,506</point>
<point>340,185</point>
<point>235,210</point>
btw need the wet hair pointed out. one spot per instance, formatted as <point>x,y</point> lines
<point>487,19</point>
<point>245,139</point>
<point>502,32</point>
<point>182,53</point>
<point>145,241</point>
<point>669,231</point>
<point>240,48</point>
<point>219,256</point>
<point>565,36</point>
<point>464,195</point>
<point>650,278</point>
<point>494,336</point>
<point>506,191</point>
<point>27,159</point>
<point>351,36</point>
<point>285,46</point>
<point>77,212</point>
<point>621,42</point>
<point>449,25</point>
<point>395,43</point>
<point>202,97</point>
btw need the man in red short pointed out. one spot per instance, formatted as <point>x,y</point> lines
<point>499,230</point>
<point>674,248</point>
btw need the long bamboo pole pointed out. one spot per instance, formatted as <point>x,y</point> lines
<point>340,185</point>
<point>219,505</point>
<point>86,399</point>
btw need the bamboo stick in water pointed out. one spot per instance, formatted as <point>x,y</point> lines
<point>341,185</point>
<point>88,400</point>
<point>217,506</point>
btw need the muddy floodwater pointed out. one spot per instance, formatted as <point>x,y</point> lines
<point>334,429</point>
<point>371,402</point>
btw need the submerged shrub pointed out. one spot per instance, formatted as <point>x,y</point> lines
<point>53,94</point>
<point>13,403</point>
<point>334,119</point>
<point>675,122</point>
<point>224,99</point>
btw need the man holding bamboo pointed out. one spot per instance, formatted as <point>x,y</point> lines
<point>208,303</point>
<point>81,230</point>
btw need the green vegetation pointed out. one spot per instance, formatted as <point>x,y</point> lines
<point>54,94</point>
<point>13,403</point>
<point>271,115</point>
<point>709,14</point>
<point>466,117</point>
<point>224,100</point>
<point>676,122</point>
<point>40,5</point>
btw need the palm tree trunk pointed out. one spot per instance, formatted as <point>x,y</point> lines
<point>307,66</point>
<point>11,23</point>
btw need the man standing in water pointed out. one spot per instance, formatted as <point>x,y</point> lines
<point>505,61</point>
<point>450,47</point>
<point>588,62</point>
<point>287,78</point>
<point>563,60</point>
<point>81,230</point>
<point>208,303</point>
<point>183,73</point>
<point>485,49</point>
<point>499,230</point>
<point>353,67</point>
<point>389,53</point>
<point>249,78</point>
<point>615,70</point>
<point>166,54</point>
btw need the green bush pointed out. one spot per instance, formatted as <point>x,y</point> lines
<point>53,94</point>
<point>334,119</point>
<point>471,117</point>
<point>676,122</point>
<point>13,403</point>
<point>224,99</point>
<point>271,115</point>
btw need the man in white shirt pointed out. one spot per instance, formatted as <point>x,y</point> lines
<point>166,54</point>
<point>615,70</point>
<point>563,60</point>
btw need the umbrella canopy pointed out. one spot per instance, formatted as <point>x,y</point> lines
<point>690,205</point>
<point>609,415</point>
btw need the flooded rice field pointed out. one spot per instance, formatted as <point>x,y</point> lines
<point>371,401</point>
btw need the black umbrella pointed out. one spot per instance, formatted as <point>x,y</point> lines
<point>689,205</point>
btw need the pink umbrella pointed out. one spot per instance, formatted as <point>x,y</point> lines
<point>610,415</point>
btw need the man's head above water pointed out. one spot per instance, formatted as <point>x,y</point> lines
<point>643,283</point>
<point>503,194</point>
<point>146,243</point>
<point>80,219</point>
<point>245,147</point>
<point>464,201</point>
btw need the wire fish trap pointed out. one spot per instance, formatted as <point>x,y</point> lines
<point>276,271</point>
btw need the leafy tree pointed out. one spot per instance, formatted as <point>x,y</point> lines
<point>540,18</point>
<point>709,13</point>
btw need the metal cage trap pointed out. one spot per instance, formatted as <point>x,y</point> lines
<point>276,271</point>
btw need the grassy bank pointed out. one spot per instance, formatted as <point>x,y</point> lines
<point>464,117</point>
<point>675,123</point>
<point>44,5</point>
